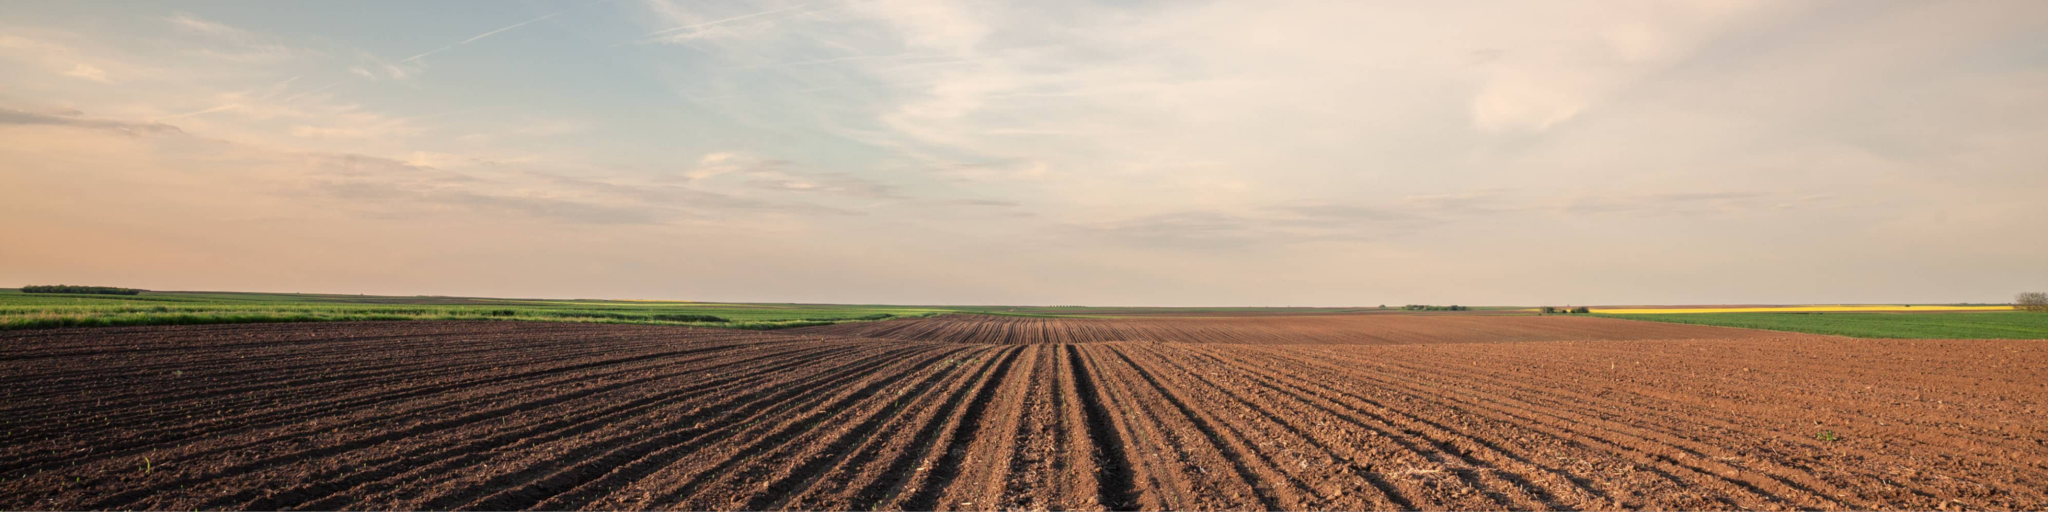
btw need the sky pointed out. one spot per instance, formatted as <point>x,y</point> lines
<point>1164,153</point>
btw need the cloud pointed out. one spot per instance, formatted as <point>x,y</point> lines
<point>994,171</point>
<point>192,23</point>
<point>389,188</point>
<point>693,30</point>
<point>1184,230</point>
<point>44,51</point>
<point>494,32</point>
<point>934,24</point>
<point>231,44</point>
<point>1270,227</point>
<point>88,72</point>
<point>1325,221</point>
<point>982,202</point>
<point>1692,203</point>
<point>376,69</point>
<point>782,176</point>
<point>388,200</point>
<point>1612,48</point>
<point>74,119</point>
<point>453,185</point>
<point>846,184</point>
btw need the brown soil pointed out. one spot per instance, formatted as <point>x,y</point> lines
<point>1315,413</point>
<point>1376,329</point>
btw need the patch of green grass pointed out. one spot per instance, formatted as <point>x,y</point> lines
<point>1970,325</point>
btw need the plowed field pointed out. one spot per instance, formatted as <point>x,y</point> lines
<point>1369,329</point>
<point>1212,413</point>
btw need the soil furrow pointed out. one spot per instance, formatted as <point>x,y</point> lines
<point>1116,479</point>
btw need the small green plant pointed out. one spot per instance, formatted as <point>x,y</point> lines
<point>147,466</point>
<point>1827,436</point>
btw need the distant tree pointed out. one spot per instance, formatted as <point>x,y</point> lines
<point>1548,310</point>
<point>1581,309</point>
<point>2031,301</point>
<point>1425,307</point>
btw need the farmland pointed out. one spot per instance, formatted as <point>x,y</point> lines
<point>1345,329</point>
<point>20,310</point>
<point>35,310</point>
<point>1320,412</point>
<point>2005,324</point>
<point>1862,308</point>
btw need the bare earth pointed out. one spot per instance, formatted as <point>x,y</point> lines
<point>971,412</point>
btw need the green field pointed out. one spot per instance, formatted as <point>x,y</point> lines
<point>41,310</point>
<point>37,310</point>
<point>1973,325</point>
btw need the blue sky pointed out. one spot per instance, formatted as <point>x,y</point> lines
<point>1129,153</point>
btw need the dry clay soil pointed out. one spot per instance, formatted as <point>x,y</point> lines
<point>978,412</point>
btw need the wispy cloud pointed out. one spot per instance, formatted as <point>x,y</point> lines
<point>776,175</point>
<point>230,106</point>
<point>10,116</point>
<point>192,23</point>
<point>88,72</point>
<point>835,60</point>
<point>228,43</point>
<point>697,30</point>
<point>1693,203</point>
<point>1323,221</point>
<point>44,51</point>
<point>497,31</point>
<point>382,186</point>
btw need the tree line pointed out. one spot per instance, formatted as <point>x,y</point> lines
<point>1424,307</point>
<point>90,290</point>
